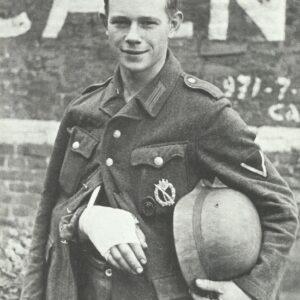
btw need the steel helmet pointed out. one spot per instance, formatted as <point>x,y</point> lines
<point>217,234</point>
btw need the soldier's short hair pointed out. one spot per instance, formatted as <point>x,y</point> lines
<point>172,6</point>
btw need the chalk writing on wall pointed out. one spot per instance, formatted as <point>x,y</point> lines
<point>248,87</point>
<point>15,26</point>
<point>262,12</point>
<point>61,9</point>
<point>284,112</point>
<point>21,24</point>
<point>268,15</point>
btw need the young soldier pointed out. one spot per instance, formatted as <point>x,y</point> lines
<point>144,138</point>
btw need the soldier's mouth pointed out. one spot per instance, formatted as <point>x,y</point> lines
<point>133,52</point>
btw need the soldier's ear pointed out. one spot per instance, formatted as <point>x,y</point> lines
<point>104,19</point>
<point>175,22</point>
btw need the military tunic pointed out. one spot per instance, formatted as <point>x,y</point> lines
<point>177,130</point>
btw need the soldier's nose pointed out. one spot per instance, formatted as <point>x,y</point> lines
<point>133,36</point>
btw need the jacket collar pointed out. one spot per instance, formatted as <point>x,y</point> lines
<point>113,89</point>
<point>154,95</point>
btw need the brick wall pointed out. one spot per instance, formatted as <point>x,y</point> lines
<point>22,169</point>
<point>24,153</point>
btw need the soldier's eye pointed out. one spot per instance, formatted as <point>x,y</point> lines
<point>148,22</point>
<point>120,22</point>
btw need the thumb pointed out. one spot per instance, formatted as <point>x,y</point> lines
<point>209,286</point>
<point>141,237</point>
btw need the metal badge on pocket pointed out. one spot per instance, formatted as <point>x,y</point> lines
<point>165,193</point>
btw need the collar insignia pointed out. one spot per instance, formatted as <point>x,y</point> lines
<point>165,193</point>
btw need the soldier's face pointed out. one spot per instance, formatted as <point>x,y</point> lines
<point>138,32</point>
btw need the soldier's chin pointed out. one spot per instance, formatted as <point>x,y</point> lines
<point>135,67</point>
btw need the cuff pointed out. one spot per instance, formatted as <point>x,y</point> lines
<point>251,288</point>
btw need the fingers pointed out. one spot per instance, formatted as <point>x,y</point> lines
<point>123,257</point>
<point>209,286</point>
<point>141,237</point>
<point>117,257</point>
<point>130,257</point>
<point>113,262</point>
<point>139,253</point>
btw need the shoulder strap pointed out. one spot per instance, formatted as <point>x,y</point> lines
<point>199,84</point>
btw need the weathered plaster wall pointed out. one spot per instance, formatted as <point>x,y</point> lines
<point>51,49</point>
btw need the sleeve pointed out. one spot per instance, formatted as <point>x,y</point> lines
<point>34,278</point>
<point>227,148</point>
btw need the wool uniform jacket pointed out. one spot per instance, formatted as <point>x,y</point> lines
<point>154,149</point>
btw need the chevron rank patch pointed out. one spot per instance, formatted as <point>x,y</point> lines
<point>255,163</point>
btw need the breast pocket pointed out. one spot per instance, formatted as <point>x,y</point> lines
<point>80,148</point>
<point>162,176</point>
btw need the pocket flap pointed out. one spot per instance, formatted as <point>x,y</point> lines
<point>157,156</point>
<point>171,287</point>
<point>82,142</point>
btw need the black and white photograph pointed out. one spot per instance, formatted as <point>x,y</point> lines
<point>149,149</point>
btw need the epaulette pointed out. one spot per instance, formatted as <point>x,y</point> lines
<point>96,86</point>
<point>199,84</point>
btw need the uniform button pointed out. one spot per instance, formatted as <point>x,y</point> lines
<point>191,80</point>
<point>109,162</point>
<point>158,161</point>
<point>108,272</point>
<point>75,145</point>
<point>148,207</point>
<point>117,134</point>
